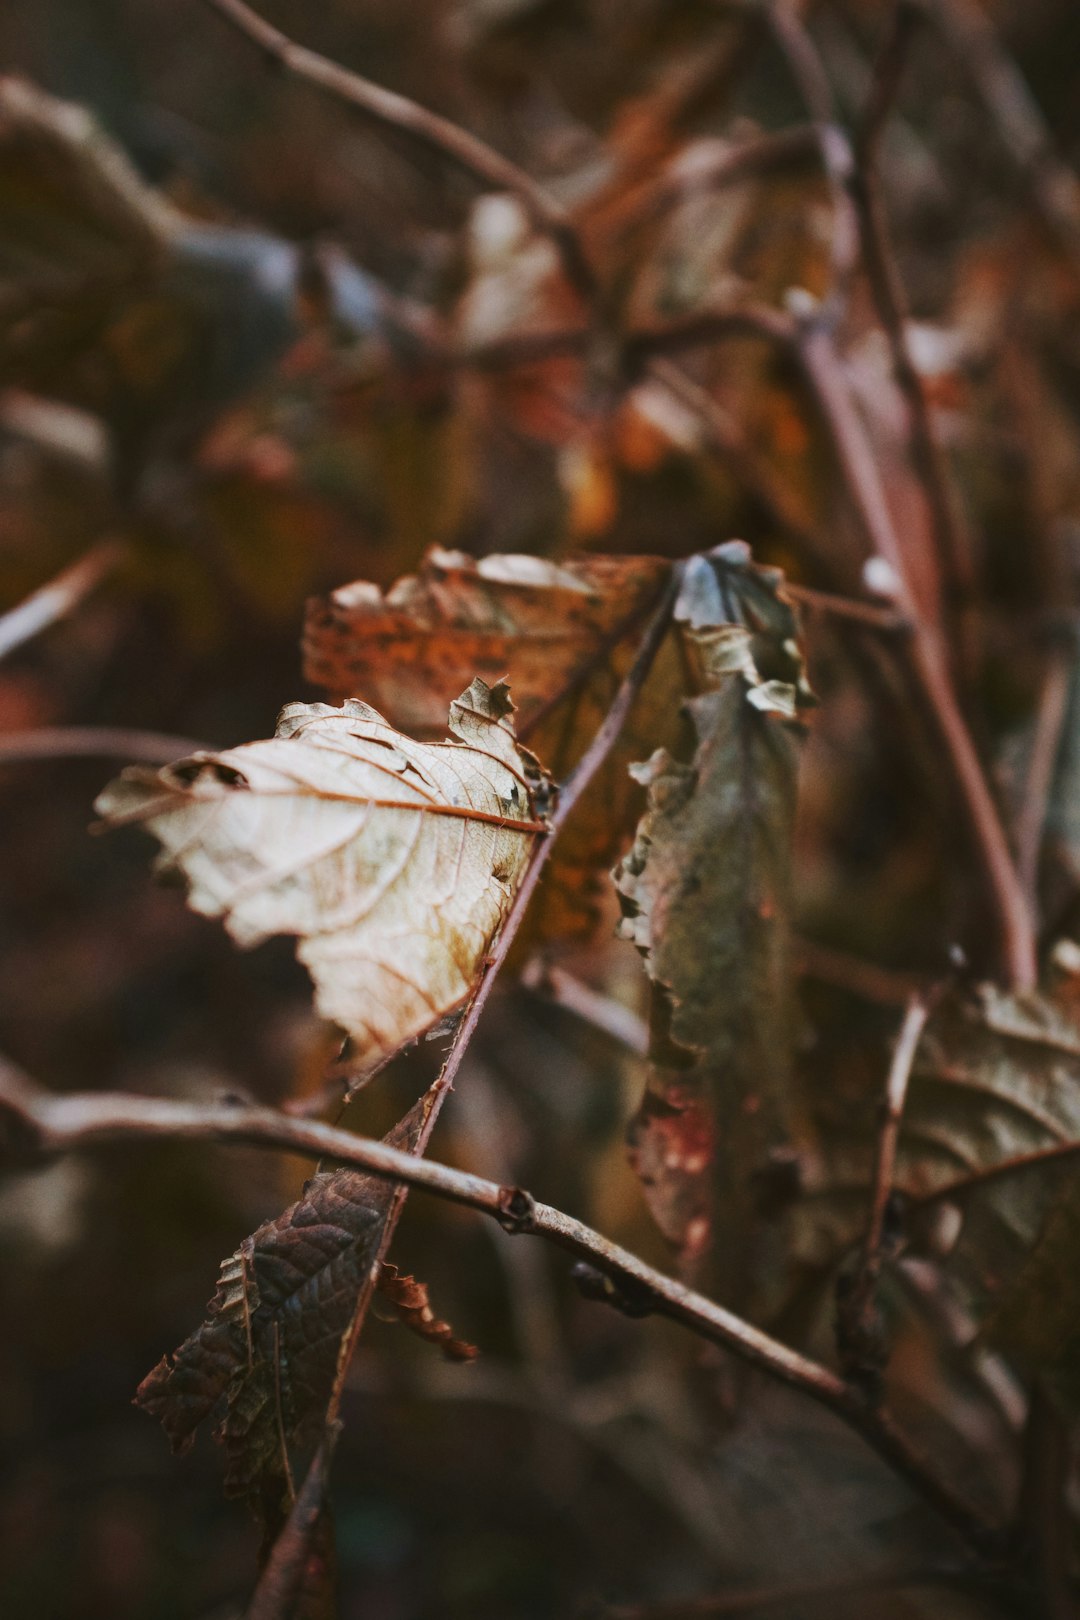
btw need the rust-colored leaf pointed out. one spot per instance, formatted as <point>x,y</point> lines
<point>561,632</point>
<point>412,1306</point>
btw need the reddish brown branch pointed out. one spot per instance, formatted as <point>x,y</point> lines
<point>947,515</point>
<point>46,1124</point>
<point>1050,716</point>
<point>847,607</point>
<point>95,742</point>
<point>859,1327</point>
<point>572,790</point>
<point>854,974</point>
<point>398,114</point>
<point>929,661</point>
<point>1051,184</point>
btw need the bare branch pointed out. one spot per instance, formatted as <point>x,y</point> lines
<point>854,974</point>
<point>1050,715</point>
<point>847,607</point>
<point>929,660</point>
<point>1015,114</point>
<point>391,111</point>
<point>859,1330</point>
<point>95,742</point>
<point>591,1006</point>
<point>947,513</point>
<point>46,1124</point>
<point>60,596</point>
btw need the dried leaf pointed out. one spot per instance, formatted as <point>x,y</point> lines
<point>268,1350</point>
<point>564,634</point>
<point>394,862</point>
<point>413,1307</point>
<point>541,623</point>
<point>1037,1322</point>
<point>993,1100</point>
<point>705,898</point>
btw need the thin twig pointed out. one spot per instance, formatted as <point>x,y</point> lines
<point>854,974</point>
<point>709,326</point>
<point>60,596</point>
<point>572,790</point>
<point>713,166</point>
<point>1051,185</point>
<point>95,742</point>
<point>847,607</point>
<point>1050,716</point>
<point>50,1124</point>
<point>813,345</point>
<point>947,514</point>
<point>896,1085</point>
<point>602,1012</point>
<point>885,85</point>
<point>859,1329</point>
<point>397,113</point>
<point>806,69</point>
<point>929,661</point>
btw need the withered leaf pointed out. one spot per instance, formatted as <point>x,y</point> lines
<point>993,1105</point>
<point>539,622</point>
<point>562,632</point>
<point>266,1356</point>
<point>412,1305</point>
<point>705,898</point>
<point>393,861</point>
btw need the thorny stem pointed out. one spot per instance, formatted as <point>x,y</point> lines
<point>48,1124</point>
<point>448,140</point>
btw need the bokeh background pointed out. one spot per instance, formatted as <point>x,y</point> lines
<point>244,404</point>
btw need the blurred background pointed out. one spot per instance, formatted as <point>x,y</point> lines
<point>218,294</point>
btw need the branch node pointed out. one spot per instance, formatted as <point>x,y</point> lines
<point>516,1210</point>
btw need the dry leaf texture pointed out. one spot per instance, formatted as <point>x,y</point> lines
<point>537,621</point>
<point>393,861</point>
<point>265,1359</point>
<point>564,635</point>
<point>704,892</point>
